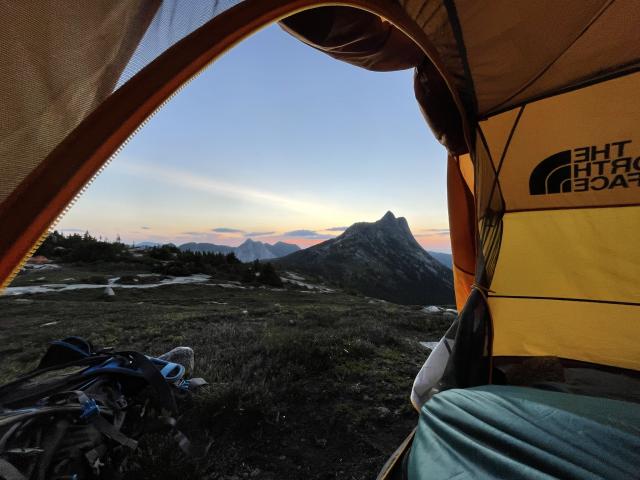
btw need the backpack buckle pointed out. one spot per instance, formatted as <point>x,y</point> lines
<point>89,409</point>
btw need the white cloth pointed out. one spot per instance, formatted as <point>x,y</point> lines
<point>430,373</point>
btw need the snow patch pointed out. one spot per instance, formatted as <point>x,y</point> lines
<point>440,310</point>
<point>309,286</point>
<point>63,287</point>
<point>294,276</point>
<point>44,266</point>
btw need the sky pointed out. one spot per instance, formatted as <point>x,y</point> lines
<point>277,142</point>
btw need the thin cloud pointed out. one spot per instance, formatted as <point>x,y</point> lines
<point>433,232</point>
<point>180,178</point>
<point>194,233</point>
<point>145,228</point>
<point>73,230</point>
<point>226,230</point>
<point>336,229</point>
<point>307,234</point>
<point>258,234</point>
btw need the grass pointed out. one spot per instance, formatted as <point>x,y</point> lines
<point>302,385</point>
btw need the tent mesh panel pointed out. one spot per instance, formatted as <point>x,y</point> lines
<point>490,209</point>
<point>66,69</point>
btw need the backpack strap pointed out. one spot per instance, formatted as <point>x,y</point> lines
<point>155,379</point>
<point>9,472</point>
<point>50,446</point>
<point>67,350</point>
<point>91,414</point>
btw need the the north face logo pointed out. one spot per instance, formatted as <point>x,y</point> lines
<point>589,168</point>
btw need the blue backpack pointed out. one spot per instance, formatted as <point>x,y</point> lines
<point>82,410</point>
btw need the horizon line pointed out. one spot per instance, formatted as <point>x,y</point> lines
<point>302,243</point>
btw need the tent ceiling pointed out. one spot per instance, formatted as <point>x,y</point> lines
<point>518,51</point>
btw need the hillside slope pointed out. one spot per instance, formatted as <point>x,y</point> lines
<point>380,259</point>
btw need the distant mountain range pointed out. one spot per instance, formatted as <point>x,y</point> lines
<point>444,258</point>
<point>148,244</point>
<point>249,251</point>
<point>380,259</point>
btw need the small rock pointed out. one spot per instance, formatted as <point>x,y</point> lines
<point>108,292</point>
<point>182,355</point>
<point>355,388</point>
<point>432,309</point>
<point>292,321</point>
<point>383,412</point>
<point>255,472</point>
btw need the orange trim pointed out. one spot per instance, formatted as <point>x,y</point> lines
<point>42,196</point>
<point>462,283</point>
<point>462,226</point>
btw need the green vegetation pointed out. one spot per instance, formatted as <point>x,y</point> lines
<point>164,259</point>
<point>303,385</point>
<point>82,248</point>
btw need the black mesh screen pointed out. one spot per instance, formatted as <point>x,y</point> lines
<point>468,365</point>
<point>490,205</point>
<point>173,21</point>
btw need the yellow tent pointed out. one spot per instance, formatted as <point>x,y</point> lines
<point>537,103</point>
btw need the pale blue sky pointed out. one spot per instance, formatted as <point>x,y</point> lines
<point>274,137</point>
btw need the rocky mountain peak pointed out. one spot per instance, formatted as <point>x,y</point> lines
<point>388,217</point>
<point>388,225</point>
<point>380,259</point>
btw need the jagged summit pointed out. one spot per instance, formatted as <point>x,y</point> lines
<point>387,216</point>
<point>248,251</point>
<point>389,226</point>
<point>380,259</point>
<point>389,219</point>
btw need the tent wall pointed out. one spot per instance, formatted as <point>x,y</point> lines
<point>566,279</point>
<point>44,94</point>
